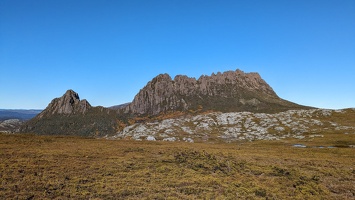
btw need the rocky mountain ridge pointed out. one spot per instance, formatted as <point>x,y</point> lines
<point>227,91</point>
<point>232,91</point>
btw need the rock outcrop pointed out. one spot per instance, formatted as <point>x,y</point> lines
<point>68,115</point>
<point>69,103</point>
<point>10,125</point>
<point>228,91</point>
<point>244,126</point>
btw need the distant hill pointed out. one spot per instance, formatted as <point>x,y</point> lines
<point>117,107</point>
<point>20,114</point>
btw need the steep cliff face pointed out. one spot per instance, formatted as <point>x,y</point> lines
<point>159,95</point>
<point>68,104</point>
<point>68,115</point>
<point>228,91</point>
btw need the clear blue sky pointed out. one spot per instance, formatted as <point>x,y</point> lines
<point>107,50</point>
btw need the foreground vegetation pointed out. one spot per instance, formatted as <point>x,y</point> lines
<point>58,167</point>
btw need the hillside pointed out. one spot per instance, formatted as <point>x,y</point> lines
<point>244,126</point>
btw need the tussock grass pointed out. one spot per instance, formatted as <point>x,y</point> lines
<point>55,167</point>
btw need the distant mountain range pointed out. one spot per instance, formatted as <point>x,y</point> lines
<point>162,97</point>
<point>21,114</point>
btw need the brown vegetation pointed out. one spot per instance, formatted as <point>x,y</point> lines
<point>54,167</point>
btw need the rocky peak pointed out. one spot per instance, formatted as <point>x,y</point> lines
<point>69,103</point>
<point>68,115</point>
<point>239,79</point>
<point>232,90</point>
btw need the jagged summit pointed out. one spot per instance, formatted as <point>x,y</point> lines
<point>68,115</point>
<point>69,103</point>
<point>227,91</point>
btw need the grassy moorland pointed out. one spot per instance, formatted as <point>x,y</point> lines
<point>54,167</point>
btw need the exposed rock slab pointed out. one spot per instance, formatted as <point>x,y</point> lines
<point>239,126</point>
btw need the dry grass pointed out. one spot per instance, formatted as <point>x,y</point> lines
<point>54,167</point>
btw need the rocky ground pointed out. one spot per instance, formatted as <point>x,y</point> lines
<point>241,126</point>
<point>10,125</point>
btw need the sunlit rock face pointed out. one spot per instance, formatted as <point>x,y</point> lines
<point>69,103</point>
<point>226,92</point>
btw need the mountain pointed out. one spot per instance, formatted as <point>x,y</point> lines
<point>68,104</point>
<point>68,115</point>
<point>162,98</point>
<point>231,91</point>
